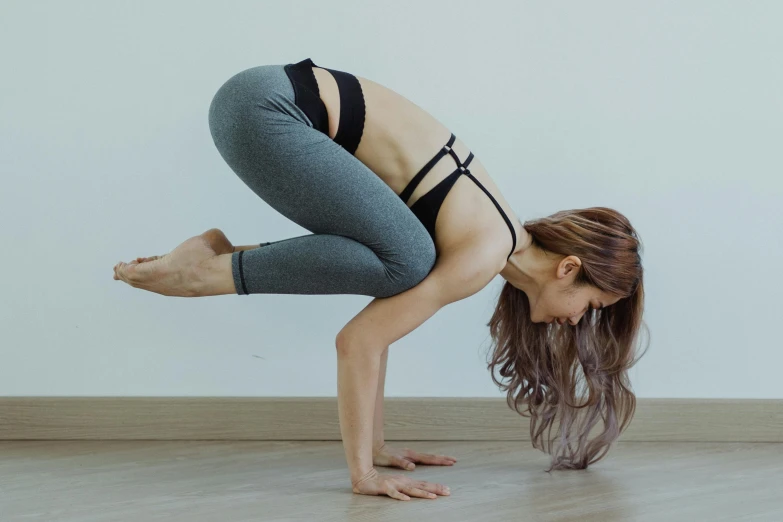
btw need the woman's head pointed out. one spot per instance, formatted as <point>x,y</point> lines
<point>583,269</point>
<point>554,288</point>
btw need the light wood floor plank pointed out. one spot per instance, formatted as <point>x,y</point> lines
<point>227,481</point>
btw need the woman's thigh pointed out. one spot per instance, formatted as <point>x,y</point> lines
<point>274,149</point>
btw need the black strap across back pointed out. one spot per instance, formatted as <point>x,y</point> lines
<point>427,206</point>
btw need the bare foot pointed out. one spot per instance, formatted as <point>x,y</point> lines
<point>178,272</point>
<point>214,236</point>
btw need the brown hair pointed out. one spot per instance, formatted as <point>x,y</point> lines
<point>540,361</point>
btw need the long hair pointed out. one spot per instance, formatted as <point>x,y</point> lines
<point>540,362</point>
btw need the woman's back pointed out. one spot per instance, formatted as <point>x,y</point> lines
<point>398,139</point>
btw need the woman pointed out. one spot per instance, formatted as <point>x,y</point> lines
<point>368,173</point>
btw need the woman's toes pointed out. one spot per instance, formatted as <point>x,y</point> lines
<point>118,274</point>
<point>147,273</point>
<point>127,271</point>
<point>133,272</point>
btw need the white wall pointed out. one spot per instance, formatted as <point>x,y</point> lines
<point>670,112</point>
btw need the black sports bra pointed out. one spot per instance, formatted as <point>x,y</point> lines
<point>428,205</point>
<point>308,98</point>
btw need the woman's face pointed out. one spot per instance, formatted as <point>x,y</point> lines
<point>549,288</point>
<point>559,303</point>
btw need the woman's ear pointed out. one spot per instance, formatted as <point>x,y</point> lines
<point>569,265</point>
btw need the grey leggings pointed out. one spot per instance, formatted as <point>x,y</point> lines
<point>364,241</point>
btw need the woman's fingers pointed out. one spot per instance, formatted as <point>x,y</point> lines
<point>399,487</point>
<point>438,489</point>
<point>428,458</point>
<point>393,493</point>
<point>404,463</point>
<point>407,458</point>
<point>438,459</point>
<point>416,492</point>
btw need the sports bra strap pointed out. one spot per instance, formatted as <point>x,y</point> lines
<point>406,194</point>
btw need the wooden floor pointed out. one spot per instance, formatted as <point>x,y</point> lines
<point>229,481</point>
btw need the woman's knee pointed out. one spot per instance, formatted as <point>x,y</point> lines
<point>425,259</point>
<point>233,103</point>
<point>415,266</point>
<point>228,103</point>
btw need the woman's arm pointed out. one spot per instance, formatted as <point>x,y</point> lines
<point>357,380</point>
<point>361,343</point>
<point>385,455</point>
<point>377,430</point>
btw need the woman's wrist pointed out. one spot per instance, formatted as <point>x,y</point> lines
<point>368,475</point>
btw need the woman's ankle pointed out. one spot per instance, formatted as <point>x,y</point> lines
<point>248,247</point>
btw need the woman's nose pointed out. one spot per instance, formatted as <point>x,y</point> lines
<point>575,321</point>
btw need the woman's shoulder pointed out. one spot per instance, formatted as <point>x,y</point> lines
<point>464,268</point>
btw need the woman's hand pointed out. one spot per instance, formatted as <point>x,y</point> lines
<point>406,459</point>
<point>397,486</point>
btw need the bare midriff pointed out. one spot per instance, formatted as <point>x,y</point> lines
<point>399,138</point>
